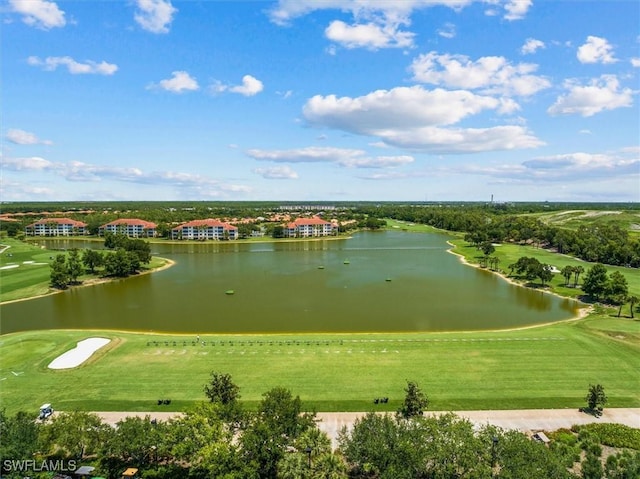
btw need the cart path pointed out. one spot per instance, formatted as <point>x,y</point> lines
<point>524,420</point>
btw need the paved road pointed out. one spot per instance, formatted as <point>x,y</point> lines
<point>521,420</point>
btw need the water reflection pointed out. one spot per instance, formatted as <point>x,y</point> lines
<point>392,281</point>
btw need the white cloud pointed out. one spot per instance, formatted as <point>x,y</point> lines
<point>250,86</point>
<point>413,118</point>
<point>277,173</point>
<point>21,137</point>
<point>180,82</point>
<point>490,74</point>
<point>74,67</point>
<point>601,94</point>
<point>567,168</point>
<point>448,31</point>
<point>531,46</point>
<point>401,107</point>
<point>155,16</point>
<point>635,62</point>
<point>517,9</point>
<point>462,140</point>
<point>77,171</point>
<point>368,35</point>
<point>39,13</point>
<point>596,50</point>
<point>350,158</point>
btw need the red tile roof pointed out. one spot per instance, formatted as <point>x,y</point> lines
<point>131,222</point>
<point>307,221</point>
<point>59,221</point>
<point>207,222</point>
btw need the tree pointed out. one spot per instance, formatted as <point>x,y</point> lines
<point>19,435</point>
<point>415,401</point>
<point>278,231</point>
<point>632,302</point>
<point>75,434</point>
<point>92,259</point>
<point>596,398</point>
<point>59,272</point>
<point>221,390</point>
<point>567,272</point>
<point>118,263</point>
<point>617,289</point>
<point>74,265</point>
<point>577,271</point>
<point>544,273</point>
<point>595,281</point>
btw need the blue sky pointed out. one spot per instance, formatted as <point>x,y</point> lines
<point>407,100</point>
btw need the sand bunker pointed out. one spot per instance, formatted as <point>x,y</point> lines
<point>79,354</point>
<point>10,266</point>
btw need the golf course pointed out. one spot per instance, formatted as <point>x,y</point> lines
<point>539,366</point>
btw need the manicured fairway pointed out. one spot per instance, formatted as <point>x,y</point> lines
<point>544,367</point>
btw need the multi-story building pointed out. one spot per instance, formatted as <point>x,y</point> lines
<point>131,227</point>
<point>208,229</point>
<point>308,227</point>
<point>56,227</point>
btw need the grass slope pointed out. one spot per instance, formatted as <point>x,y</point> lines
<point>545,367</point>
<point>27,272</point>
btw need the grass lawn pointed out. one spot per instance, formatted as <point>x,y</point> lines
<point>510,253</point>
<point>545,367</point>
<point>25,272</point>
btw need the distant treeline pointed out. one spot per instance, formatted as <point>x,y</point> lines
<point>608,244</point>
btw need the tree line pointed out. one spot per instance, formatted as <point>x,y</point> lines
<point>126,258</point>
<point>280,439</point>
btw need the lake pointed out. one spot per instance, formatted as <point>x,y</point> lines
<point>386,281</point>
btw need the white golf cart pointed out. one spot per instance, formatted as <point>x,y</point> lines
<point>45,411</point>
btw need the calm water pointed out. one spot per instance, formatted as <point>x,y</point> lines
<point>279,287</point>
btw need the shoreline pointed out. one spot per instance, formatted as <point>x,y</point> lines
<point>94,281</point>
<point>584,309</point>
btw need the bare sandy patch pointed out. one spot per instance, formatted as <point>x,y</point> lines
<point>78,355</point>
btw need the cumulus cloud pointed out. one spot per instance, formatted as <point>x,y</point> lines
<point>517,9</point>
<point>412,117</point>
<point>600,94</point>
<point>635,62</point>
<point>277,173</point>
<point>350,158</point>
<point>78,171</point>
<point>596,50</point>
<point>39,13</point>
<point>531,46</point>
<point>74,67</point>
<point>368,35</point>
<point>154,16</point>
<point>250,86</point>
<point>179,82</point>
<point>21,137</point>
<point>489,74</point>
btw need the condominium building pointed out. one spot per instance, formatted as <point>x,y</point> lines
<point>308,227</point>
<point>209,229</point>
<point>56,227</point>
<point>131,227</point>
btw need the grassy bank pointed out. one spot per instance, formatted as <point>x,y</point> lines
<point>25,271</point>
<point>546,367</point>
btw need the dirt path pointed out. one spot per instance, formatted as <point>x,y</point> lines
<point>522,420</point>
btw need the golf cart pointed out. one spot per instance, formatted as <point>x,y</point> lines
<point>45,411</point>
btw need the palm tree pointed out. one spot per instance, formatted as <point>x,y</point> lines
<point>632,302</point>
<point>567,272</point>
<point>577,271</point>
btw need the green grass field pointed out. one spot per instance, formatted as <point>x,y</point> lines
<point>25,272</point>
<point>545,367</point>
